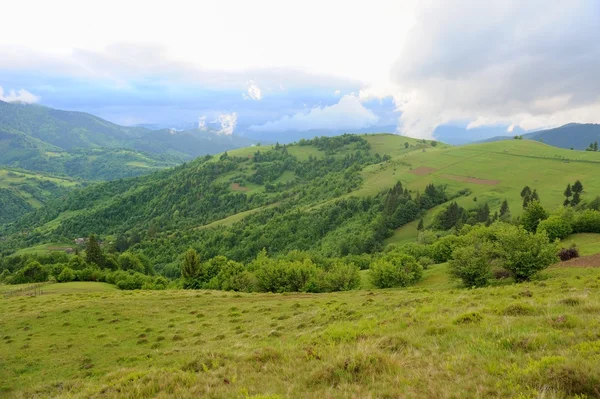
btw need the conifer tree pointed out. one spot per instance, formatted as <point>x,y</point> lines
<point>190,267</point>
<point>421,225</point>
<point>93,252</point>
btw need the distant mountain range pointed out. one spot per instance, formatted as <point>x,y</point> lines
<point>573,135</point>
<point>78,144</point>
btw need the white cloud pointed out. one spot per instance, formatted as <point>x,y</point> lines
<point>348,113</point>
<point>21,95</point>
<point>528,63</point>
<point>337,93</point>
<point>254,91</point>
<point>510,129</point>
<point>202,123</point>
<point>228,123</point>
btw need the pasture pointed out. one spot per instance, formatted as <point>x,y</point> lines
<point>538,339</point>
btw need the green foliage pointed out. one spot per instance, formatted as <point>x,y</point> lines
<point>451,216</point>
<point>532,216</point>
<point>395,270</point>
<point>190,265</point>
<point>524,253</point>
<point>472,264</point>
<point>129,261</point>
<point>66,275</point>
<point>93,252</point>
<point>33,272</point>
<point>555,227</point>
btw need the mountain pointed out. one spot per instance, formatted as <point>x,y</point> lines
<point>81,145</point>
<point>577,136</point>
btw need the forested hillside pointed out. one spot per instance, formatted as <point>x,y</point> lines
<point>81,145</point>
<point>290,195</point>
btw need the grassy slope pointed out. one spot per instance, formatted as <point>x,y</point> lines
<point>533,339</point>
<point>513,163</point>
<point>19,180</point>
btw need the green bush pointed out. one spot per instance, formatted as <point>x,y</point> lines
<point>472,264</point>
<point>523,253</point>
<point>441,250</point>
<point>130,261</point>
<point>395,270</point>
<point>587,221</point>
<point>33,272</point>
<point>341,276</point>
<point>66,275</point>
<point>555,227</point>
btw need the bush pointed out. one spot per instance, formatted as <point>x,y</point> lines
<point>442,250</point>
<point>33,272</point>
<point>568,253</point>
<point>129,261</point>
<point>523,253</point>
<point>587,221</point>
<point>425,262</point>
<point>66,275</point>
<point>395,270</point>
<point>472,264</point>
<point>341,276</point>
<point>555,227</point>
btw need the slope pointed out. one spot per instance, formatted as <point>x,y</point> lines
<point>22,191</point>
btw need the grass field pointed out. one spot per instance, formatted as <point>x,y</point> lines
<point>24,182</point>
<point>539,339</point>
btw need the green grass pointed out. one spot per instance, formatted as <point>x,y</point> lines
<point>538,339</point>
<point>587,243</point>
<point>540,166</point>
<point>45,248</point>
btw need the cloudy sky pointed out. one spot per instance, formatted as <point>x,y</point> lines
<point>278,66</point>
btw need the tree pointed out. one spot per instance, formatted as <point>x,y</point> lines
<point>66,275</point>
<point>555,227</point>
<point>568,193</point>
<point>434,143</point>
<point>576,199</point>
<point>93,252</point>
<point>121,243</point>
<point>406,145</point>
<point>532,216</point>
<point>577,187</point>
<point>504,211</point>
<point>420,225</point>
<point>595,145</point>
<point>190,266</point>
<point>526,191</point>
<point>483,213</point>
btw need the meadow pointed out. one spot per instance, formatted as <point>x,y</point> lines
<point>537,339</point>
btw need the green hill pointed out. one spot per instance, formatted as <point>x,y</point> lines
<point>23,191</point>
<point>81,145</point>
<point>326,195</point>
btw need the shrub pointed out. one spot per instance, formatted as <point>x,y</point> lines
<point>523,253</point>
<point>468,318</point>
<point>341,276</point>
<point>587,221</point>
<point>425,262</point>
<point>442,250</point>
<point>33,272</point>
<point>395,270</point>
<point>472,264</point>
<point>568,253</point>
<point>129,261</point>
<point>66,275</point>
<point>555,227</point>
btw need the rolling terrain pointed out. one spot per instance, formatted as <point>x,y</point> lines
<point>490,172</point>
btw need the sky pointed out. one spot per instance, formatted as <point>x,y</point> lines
<point>273,67</point>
